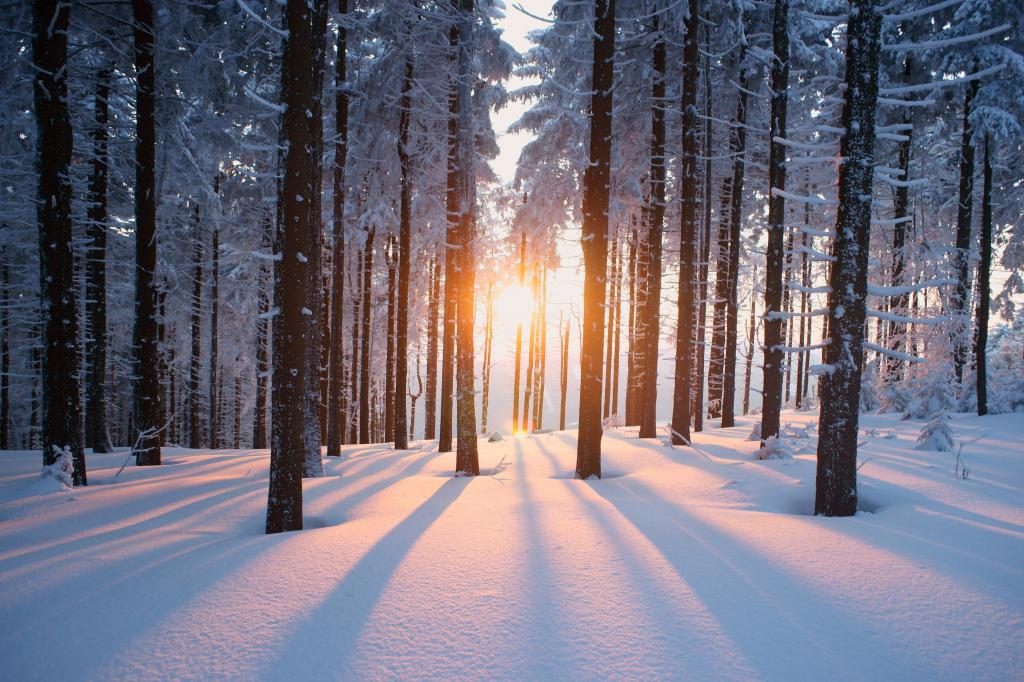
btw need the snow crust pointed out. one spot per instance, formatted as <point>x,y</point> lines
<point>689,563</point>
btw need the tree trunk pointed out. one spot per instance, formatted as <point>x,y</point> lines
<point>96,275</point>
<point>214,437</point>
<point>542,355</point>
<point>629,412</point>
<point>652,315</point>
<point>610,339</point>
<point>616,315</point>
<point>488,343</point>
<point>565,371</point>
<point>687,233</point>
<point>301,165</point>
<point>355,369</point>
<point>195,360</point>
<point>62,418</point>
<point>596,185</point>
<point>984,293</point>
<point>634,394</point>
<point>738,145</point>
<point>391,258</point>
<point>146,408</point>
<point>774,356</point>
<point>965,211</point>
<point>5,353</point>
<point>364,340</point>
<point>335,362</point>
<point>751,337</point>
<point>836,483</point>
<point>705,253</point>
<point>430,406</point>
<point>716,362</point>
<point>259,428</point>
<point>401,430</point>
<point>519,338</point>
<point>531,355</point>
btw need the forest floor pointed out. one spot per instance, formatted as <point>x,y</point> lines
<point>690,563</point>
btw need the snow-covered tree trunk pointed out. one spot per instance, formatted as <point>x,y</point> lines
<point>596,184</point>
<point>214,405</point>
<point>62,418</point>
<point>96,274</point>
<point>705,252</point>
<point>430,404</point>
<point>146,403</point>
<point>364,340</point>
<point>688,226</point>
<point>965,213</point>
<point>836,482</point>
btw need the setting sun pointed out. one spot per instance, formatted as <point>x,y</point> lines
<point>514,305</point>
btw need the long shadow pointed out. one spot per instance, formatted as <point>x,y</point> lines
<point>339,502</point>
<point>323,645</point>
<point>749,601</point>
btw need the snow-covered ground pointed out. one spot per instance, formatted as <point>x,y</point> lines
<point>698,564</point>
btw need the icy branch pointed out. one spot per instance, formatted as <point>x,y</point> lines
<point>906,357</point>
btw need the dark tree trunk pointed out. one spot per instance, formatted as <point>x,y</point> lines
<point>5,354</point>
<point>596,185</point>
<point>214,438</point>
<point>401,428</point>
<point>364,340</point>
<point>335,362</point>
<point>610,331</point>
<point>965,211</point>
<point>739,148</point>
<point>301,165</point>
<point>391,258</point>
<point>259,428</point>
<point>146,408</point>
<point>984,293</point>
<point>430,405</point>
<point>96,276</point>
<point>705,257</point>
<point>519,339</point>
<point>687,233</point>
<point>195,361</point>
<point>451,293</point>
<point>836,483</point>
<point>355,370</point>
<point>656,214</point>
<point>774,357</point>
<point>716,362</point>
<point>62,417</point>
<point>634,395</point>
<point>312,466</point>
<point>617,324</point>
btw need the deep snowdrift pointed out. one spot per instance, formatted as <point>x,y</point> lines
<point>692,563</point>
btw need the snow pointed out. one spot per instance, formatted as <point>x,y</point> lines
<point>683,563</point>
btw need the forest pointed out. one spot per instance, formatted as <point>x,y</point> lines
<point>300,265</point>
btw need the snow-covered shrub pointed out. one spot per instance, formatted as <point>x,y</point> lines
<point>63,469</point>
<point>869,401</point>
<point>755,433</point>
<point>775,448</point>
<point>937,434</point>
<point>931,394</point>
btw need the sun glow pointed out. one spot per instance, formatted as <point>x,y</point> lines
<point>514,305</point>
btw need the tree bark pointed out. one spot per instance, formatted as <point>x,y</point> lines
<point>301,164</point>
<point>96,275</point>
<point>364,340</point>
<point>391,259</point>
<point>430,406</point>
<point>146,408</point>
<point>259,428</point>
<point>565,372</point>
<point>596,186</point>
<point>656,214</point>
<point>739,147</point>
<point>965,211</point>
<point>214,437</point>
<point>486,370</point>
<point>774,357</point>
<point>451,255</point>
<point>404,245</point>
<point>836,482</point>
<point>336,362</point>
<point>5,353</point>
<point>519,338</point>
<point>62,418</point>
<point>751,337</point>
<point>195,359</point>
<point>984,293</point>
<point>681,394</point>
